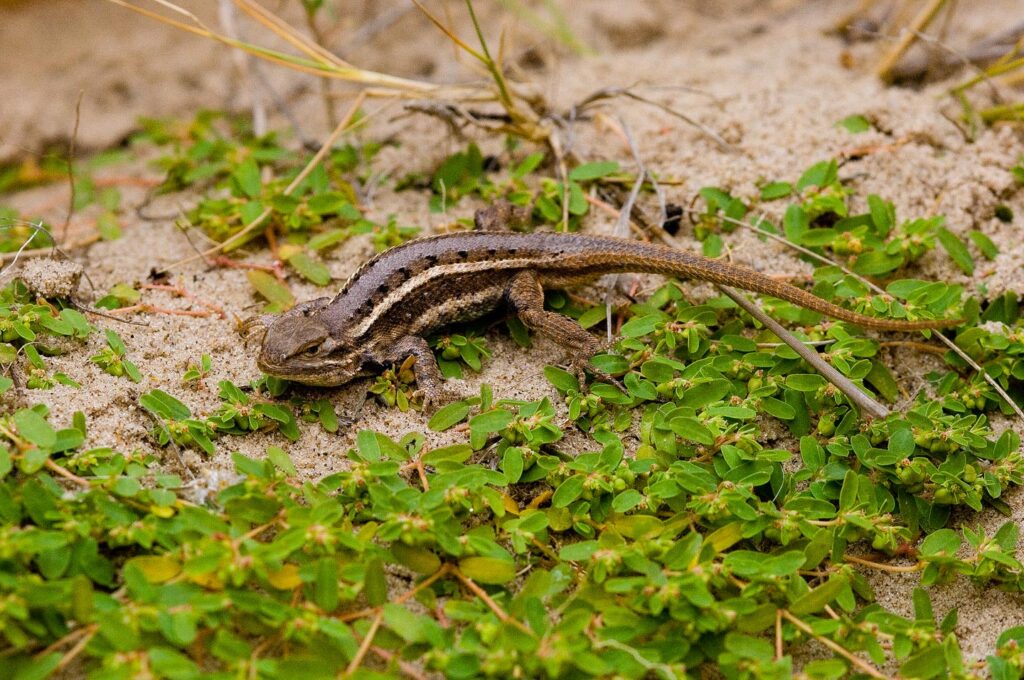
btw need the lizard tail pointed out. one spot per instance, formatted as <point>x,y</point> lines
<point>669,261</point>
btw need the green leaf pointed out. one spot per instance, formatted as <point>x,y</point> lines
<point>36,668</point>
<point>957,250</point>
<point>281,461</point>
<point>983,243</point>
<point>419,559</point>
<point>877,262</point>
<point>820,174</point>
<point>33,427</point>
<point>512,463</point>
<point>448,416</point>
<point>164,405</point>
<point>901,442</point>
<point>490,570</point>
<point>883,213</point>
<point>457,453</point>
<point>815,600</point>
<point>567,491</point>
<point>882,379</point>
<point>375,583</point>
<point>310,268</point>
<point>276,293</point>
<point>924,664</point>
<point>563,381</point>
<point>805,382</point>
<point>627,500</point>
<point>855,124</point>
<point>247,174</point>
<point>591,171</point>
<point>776,190</point>
<point>490,421</point>
<point>942,543</point>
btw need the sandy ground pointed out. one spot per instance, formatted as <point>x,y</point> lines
<point>764,75</point>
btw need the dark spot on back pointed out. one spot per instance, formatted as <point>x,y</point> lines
<point>463,254</point>
<point>492,251</point>
<point>382,288</point>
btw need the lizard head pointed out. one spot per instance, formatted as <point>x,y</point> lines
<point>298,346</point>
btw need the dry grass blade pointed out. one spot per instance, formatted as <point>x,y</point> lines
<point>866,405</point>
<point>924,17</point>
<point>610,92</point>
<point>315,65</point>
<point>286,32</point>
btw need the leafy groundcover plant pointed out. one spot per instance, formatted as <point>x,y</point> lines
<point>715,508</point>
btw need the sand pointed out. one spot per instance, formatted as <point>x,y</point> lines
<point>765,76</point>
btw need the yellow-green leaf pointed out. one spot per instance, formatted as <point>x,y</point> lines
<point>488,569</point>
<point>157,568</point>
<point>276,293</point>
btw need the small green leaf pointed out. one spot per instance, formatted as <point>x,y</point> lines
<point>490,570</point>
<point>855,124</point>
<point>815,600</point>
<point>164,405</point>
<point>776,190</point>
<point>276,293</point>
<point>33,427</point>
<point>983,243</point>
<point>561,379</point>
<point>957,250</point>
<point>591,171</point>
<point>247,174</point>
<point>310,268</point>
<point>448,416</point>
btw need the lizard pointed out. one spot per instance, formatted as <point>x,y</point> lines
<point>388,307</point>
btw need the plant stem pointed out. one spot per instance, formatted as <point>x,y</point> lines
<point>868,406</point>
<point>834,646</point>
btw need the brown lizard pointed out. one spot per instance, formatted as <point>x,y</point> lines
<point>387,308</point>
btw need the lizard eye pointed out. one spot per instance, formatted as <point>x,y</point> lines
<point>312,351</point>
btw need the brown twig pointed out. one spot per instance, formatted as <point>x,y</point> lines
<point>277,269</point>
<point>146,308</point>
<point>502,615</point>
<point>896,569</point>
<point>357,660</point>
<point>834,646</point>
<point>67,474</point>
<point>181,292</point>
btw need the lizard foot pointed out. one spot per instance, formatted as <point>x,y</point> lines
<point>435,397</point>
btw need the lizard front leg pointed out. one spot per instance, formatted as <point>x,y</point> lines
<point>429,381</point>
<point>526,298</point>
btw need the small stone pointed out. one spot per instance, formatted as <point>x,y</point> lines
<point>51,278</point>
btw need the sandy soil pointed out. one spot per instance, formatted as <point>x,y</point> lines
<point>764,75</point>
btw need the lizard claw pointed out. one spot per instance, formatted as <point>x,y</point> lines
<point>435,397</point>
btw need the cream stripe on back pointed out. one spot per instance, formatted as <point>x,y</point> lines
<point>451,269</point>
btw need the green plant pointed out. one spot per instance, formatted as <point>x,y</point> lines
<point>113,359</point>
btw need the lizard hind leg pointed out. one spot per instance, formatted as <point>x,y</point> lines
<point>526,298</point>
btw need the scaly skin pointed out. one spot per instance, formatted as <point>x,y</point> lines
<point>387,308</point>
